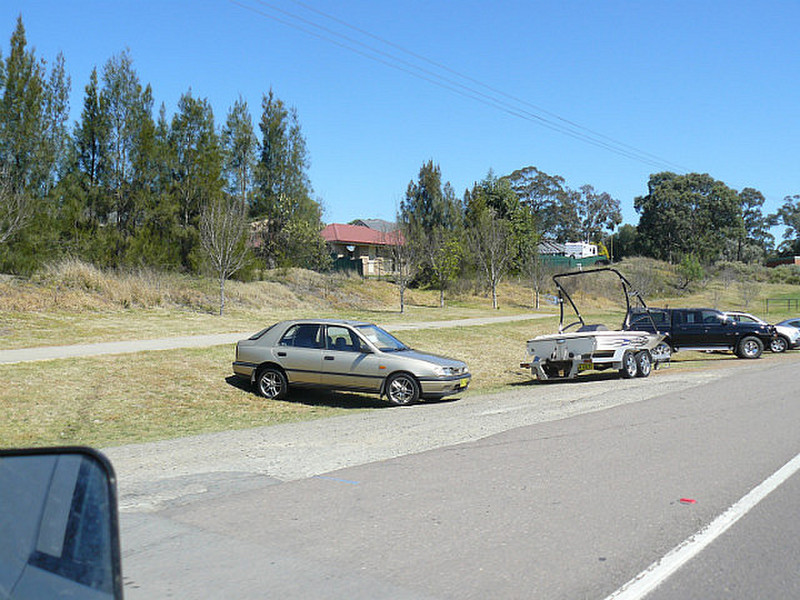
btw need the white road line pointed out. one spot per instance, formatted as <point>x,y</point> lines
<point>659,571</point>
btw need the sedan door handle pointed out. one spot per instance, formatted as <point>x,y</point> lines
<point>328,358</point>
<point>281,353</point>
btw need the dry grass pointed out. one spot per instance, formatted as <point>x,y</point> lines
<point>157,395</point>
<point>73,302</point>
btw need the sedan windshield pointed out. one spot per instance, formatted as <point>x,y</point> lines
<point>384,341</point>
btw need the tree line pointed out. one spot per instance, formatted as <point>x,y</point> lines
<point>127,187</point>
<point>495,228</point>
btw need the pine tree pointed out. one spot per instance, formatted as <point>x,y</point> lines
<point>23,122</point>
<point>239,144</point>
<point>290,219</point>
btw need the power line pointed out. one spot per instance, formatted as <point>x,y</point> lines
<point>484,85</point>
<point>494,98</point>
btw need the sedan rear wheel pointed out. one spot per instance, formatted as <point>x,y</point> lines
<point>779,344</point>
<point>402,389</point>
<point>271,383</point>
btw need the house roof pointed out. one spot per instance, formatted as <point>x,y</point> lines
<point>357,234</point>
<point>551,247</point>
<point>377,224</point>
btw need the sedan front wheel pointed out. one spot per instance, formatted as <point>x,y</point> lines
<point>402,389</point>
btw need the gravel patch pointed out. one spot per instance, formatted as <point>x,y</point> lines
<point>155,475</point>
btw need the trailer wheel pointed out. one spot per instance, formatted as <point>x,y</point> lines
<point>644,363</point>
<point>629,365</point>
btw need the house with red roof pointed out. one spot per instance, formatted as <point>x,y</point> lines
<point>362,248</point>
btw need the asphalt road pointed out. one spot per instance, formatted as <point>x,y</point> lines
<point>547,491</point>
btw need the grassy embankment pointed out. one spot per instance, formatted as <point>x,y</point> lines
<point>155,395</point>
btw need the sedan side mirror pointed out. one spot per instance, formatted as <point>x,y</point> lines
<point>59,525</point>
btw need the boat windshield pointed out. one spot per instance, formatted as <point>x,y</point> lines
<point>383,340</point>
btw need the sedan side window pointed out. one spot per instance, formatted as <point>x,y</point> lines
<point>342,339</point>
<point>302,336</point>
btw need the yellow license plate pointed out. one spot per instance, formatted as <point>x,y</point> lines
<point>585,367</point>
<point>463,383</point>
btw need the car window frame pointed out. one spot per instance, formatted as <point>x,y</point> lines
<point>319,343</point>
<point>354,339</point>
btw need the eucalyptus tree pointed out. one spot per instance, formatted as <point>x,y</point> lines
<point>491,211</point>
<point>691,214</point>
<point>597,211</point>
<point>788,215</point>
<point>755,239</point>
<point>549,200</point>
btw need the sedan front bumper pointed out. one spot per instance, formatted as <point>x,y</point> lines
<point>444,386</point>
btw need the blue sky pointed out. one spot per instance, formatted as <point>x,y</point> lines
<point>708,87</point>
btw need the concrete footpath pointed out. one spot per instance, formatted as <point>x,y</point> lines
<point>220,339</point>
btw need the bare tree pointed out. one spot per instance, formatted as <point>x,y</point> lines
<point>443,254</point>
<point>15,207</point>
<point>223,235</point>
<point>538,273</point>
<point>406,262</point>
<point>748,291</point>
<point>491,242</point>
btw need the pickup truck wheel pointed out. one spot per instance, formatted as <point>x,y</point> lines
<point>662,352</point>
<point>779,344</point>
<point>750,347</point>
<point>644,363</point>
<point>629,366</point>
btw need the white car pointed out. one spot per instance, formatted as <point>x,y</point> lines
<point>788,337</point>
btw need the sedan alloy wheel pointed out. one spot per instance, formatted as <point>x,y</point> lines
<point>402,389</point>
<point>271,383</point>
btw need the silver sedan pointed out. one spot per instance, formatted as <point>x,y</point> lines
<point>345,355</point>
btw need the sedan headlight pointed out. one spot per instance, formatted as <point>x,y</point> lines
<point>448,371</point>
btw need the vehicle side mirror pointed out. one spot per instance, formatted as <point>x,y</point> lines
<point>59,525</point>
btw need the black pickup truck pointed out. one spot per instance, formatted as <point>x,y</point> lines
<point>704,329</point>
